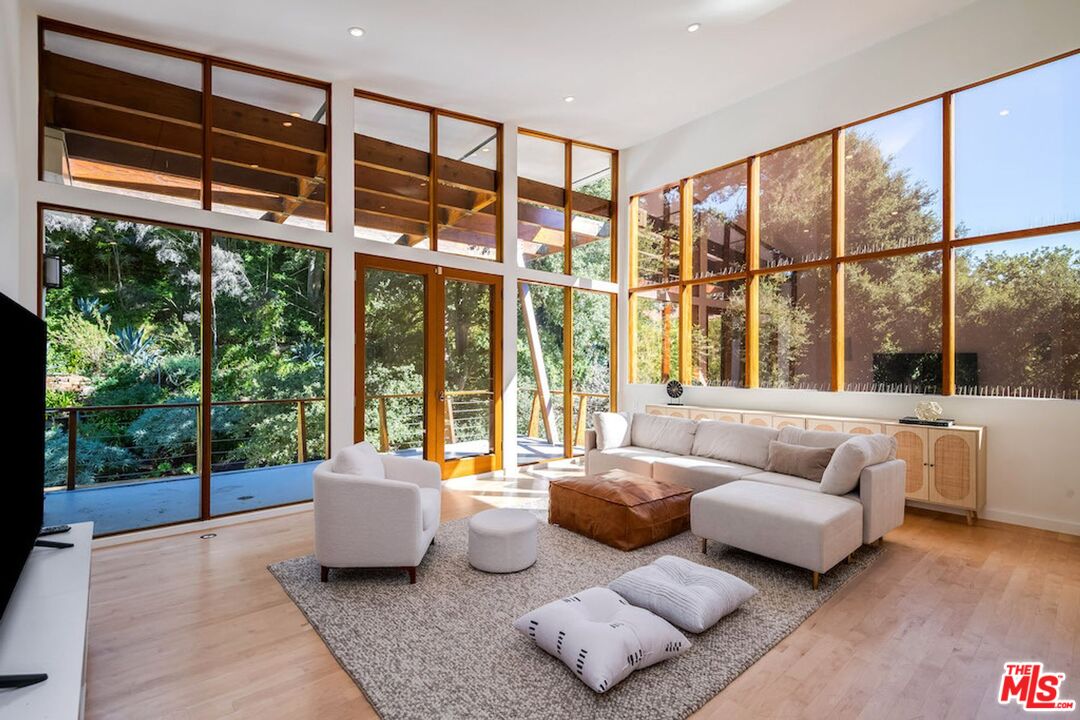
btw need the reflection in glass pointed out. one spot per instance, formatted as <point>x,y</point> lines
<point>393,169</point>
<point>796,203</point>
<point>593,210</point>
<point>656,336</point>
<point>719,222</point>
<point>658,236</point>
<point>892,324</point>
<point>718,334</point>
<point>892,180</point>
<point>794,330</point>
<point>1017,150</point>
<point>1018,318</point>
<point>541,202</point>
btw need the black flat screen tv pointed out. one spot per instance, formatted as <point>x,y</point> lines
<point>22,506</point>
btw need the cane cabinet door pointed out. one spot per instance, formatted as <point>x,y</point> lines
<point>862,428</point>
<point>727,416</point>
<point>912,446</point>
<point>953,467</point>
<point>699,414</point>
<point>759,419</point>
<point>824,425</point>
<point>782,421</point>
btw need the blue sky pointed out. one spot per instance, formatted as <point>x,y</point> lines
<point>1017,149</point>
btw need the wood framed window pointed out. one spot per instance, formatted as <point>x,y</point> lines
<point>149,121</point>
<point>452,205</point>
<point>566,210</point>
<point>887,255</point>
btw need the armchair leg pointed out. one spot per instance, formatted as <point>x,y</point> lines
<point>324,573</point>
<point>705,545</point>
<point>412,574</point>
<point>815,579</point>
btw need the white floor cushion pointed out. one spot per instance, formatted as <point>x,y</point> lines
<point>601,637</point>
<point>686,594</point>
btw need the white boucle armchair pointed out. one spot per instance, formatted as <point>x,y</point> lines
<point>365,522</point>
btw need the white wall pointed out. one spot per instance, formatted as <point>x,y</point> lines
<point>1033,452</point>
<point>9,179</point>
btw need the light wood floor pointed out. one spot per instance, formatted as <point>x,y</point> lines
<point>183,628</point>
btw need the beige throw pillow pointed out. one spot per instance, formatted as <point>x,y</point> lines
<point>797,460</point>
<point>851,457</point>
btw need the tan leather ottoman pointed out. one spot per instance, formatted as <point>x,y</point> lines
<point>620,508</point>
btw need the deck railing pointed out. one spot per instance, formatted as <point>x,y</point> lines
<point>71,417</point>
<point>471,407</point>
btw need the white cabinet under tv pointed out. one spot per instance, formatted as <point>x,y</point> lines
<point>946,466</point>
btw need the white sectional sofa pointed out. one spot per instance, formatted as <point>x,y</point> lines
<point>737,502</point>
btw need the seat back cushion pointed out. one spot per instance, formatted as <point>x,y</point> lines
<point>659,432</point>
<point>361,460</point>
<point>612,429</point>
<point>812,438</point>
<point>798,460</point>
<point>601,637</point>
<point>688,595</point>
<point>734,442</point>
<point>851,457</point>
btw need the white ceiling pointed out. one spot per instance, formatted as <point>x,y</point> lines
<point>634,70</point>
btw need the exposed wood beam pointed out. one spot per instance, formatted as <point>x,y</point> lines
<point>97,84</point>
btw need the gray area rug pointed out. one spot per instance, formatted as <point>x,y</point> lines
<point>445,647</point>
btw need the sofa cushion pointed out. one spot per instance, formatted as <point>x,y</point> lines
<point>638,460</point>
<point>813,530</point>
<point>812,438</point>
<point>601,637</point>
<point>773,478</point>
<point>698,473</point>
<point>798,460</point>
<point>688,595</point>
<point>734,442</point>
<point>861,451</point>
<point>429,507</point>
<point>659,432</point>
<point>612,429</point>
<point>360,460</point>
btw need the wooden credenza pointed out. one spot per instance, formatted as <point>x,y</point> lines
<point>945,466</point>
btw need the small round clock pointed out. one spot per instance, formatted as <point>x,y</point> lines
<point>674,391</point>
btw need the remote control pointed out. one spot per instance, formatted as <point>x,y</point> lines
<point>54,530</point>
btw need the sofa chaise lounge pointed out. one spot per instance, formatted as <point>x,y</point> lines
<point>737,502</point>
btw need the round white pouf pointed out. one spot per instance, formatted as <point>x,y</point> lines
<point>502,540</point>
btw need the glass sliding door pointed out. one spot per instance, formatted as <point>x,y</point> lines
<point>541,396</point>
<point>591,370</point>
<point>123,379</point>
<point>394,356</point>
<point>428,348</point>
<point>268,372</point>
<point>468,395</point>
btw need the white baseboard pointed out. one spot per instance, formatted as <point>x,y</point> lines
<point>200,526</point>
<point>1033,521</point>
<point>1012,518</point>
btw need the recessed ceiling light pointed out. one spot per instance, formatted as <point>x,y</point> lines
<point>287,124</point>
<point>1004,112</point>
<point>356,31</point>
<point>568,98</point>
<point>693,27</point>
<point>295,114</point>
